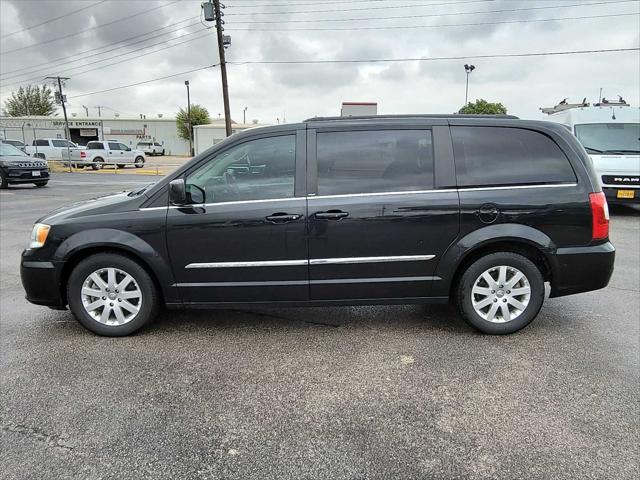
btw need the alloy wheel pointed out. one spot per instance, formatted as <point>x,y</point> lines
<point>501,294</point>
<point>111,296</point>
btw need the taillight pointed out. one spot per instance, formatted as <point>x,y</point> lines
<point>83,154</point>
<point>599,216</point>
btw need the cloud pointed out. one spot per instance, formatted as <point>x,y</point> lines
<point>302,90</point>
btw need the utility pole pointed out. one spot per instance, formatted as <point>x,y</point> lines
<point>62,100</point>
<point>468,69</point>
<point>216,15</point>
<point>86,110</point>
<point>186,82</point>
<point>244,115</point>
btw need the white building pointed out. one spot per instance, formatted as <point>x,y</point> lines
<point>204,136</point>
<point>126,130</point>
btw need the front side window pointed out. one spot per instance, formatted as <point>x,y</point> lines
<point>41,143</point>
<point>255,170</point>
<point>614,138</point>
<point>495,156</point>
<point>114,146</point>
<point>374,161</point>
<point>123,146</point>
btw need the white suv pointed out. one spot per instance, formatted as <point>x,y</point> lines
<point>150,148</point>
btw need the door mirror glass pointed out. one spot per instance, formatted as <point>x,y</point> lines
<point>177,192</point>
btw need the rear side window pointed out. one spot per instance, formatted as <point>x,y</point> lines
<point>374,161</point>
<point>493,156</point>
<point>41,143</point>
<point>95,146</point>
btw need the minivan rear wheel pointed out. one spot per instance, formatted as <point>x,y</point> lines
<point>112,295</point>
<point>500,293</point>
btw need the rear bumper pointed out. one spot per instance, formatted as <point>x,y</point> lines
<point>612,195</point>
<point>581,269</point>
<point>41,282</point>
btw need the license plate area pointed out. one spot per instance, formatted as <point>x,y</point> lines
<point>35,173</point>
<point>626,194</point>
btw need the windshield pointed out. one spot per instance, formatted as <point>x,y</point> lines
<point>6,150</point>
<point>613,138</point>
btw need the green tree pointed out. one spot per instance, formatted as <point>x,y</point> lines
<point>482,107</point>
<point>31,100</point>
<point>199,116</point>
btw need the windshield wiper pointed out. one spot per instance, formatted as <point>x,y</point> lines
<point>593,150</point>
<point>140,191</point>
<point>621,151</point>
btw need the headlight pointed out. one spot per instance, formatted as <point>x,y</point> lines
<point>39,235</point>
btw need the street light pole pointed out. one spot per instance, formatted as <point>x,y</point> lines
<point>186,82</point>
<point>244,115</point>
<point>468,69</point>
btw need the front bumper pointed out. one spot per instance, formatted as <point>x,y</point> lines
<point>41,281</point>
<point>612,195</point>
<point>25,175</point>
<point>581,269</point>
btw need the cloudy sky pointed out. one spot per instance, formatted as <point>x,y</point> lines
<point>103,45</point>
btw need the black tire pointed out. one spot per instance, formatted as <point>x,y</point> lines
<point>97,163</point>
<point>463,293</point>
<point>150,297</point>
<point>4,184</point>
<point>121,165</point>
<point>41,184</point>
<point>139,161</point>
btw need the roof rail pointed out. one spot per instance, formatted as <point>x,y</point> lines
<point>433,115</point>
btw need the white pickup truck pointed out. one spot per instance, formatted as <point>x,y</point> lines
<point>49,148</point>
<point>98,154</point>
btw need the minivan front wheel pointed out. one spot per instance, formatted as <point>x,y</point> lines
<point>500,293</point>
<point>111,294</point>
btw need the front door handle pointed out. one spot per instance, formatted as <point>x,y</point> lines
<point>281,217</point>
<point>331,215</point>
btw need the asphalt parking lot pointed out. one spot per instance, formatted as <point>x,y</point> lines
<point>321,393</point>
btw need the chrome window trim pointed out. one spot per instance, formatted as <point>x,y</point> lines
<point>377,194</point>
<point>313,261</point>
<point>517,187</point>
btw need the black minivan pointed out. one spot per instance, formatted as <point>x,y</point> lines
<point>482,211</point>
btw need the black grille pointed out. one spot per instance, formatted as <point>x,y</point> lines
<point>621,180</point>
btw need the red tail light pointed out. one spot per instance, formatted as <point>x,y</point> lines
<point>599,216</point>
<point>83,154</point>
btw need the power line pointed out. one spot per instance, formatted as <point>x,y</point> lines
<point>145,81</point>
<point>379,60</point>
<point>402,17</point>
<point>53,19</point>
<point>119,42</point>
<point>119,55</point>
<point>396,27</point>
<point>385,7</point>
<point>128,17</point>
<point>428,59</point>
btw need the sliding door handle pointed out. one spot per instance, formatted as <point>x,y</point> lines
<point>331,215</point>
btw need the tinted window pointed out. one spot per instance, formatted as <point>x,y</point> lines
<point>95,146</point>
<point>255,170</point>
<point>15,143</point>
<point>488,156</point>
<point>41,143</point>
<point>61,143</point>
<point>123,146</point>
<point>114,146</point>
<point>374,161</point>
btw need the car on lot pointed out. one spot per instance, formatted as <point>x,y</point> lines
<point>480,211</point>
<point>151,148</point>
<point>97,154</point>
<point>50,148</point>
<point>16,143</point>
<point>16,167</point>
<point>611,135</point>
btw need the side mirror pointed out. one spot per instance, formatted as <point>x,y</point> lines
<point>177,192</point>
